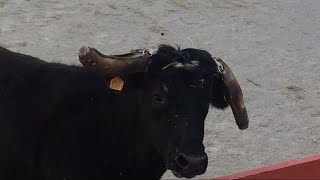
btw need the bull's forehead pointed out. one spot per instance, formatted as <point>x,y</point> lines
<point>190,73</point>
<point>169,59</point>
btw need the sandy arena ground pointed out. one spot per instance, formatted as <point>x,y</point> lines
<point>271,46</point>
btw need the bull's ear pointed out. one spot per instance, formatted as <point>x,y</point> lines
<point>232,94</point>
<point>217,98</point>
<point>4,49</point>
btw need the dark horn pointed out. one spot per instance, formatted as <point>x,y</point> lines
<point>112,65</point>
<point>234,97</point>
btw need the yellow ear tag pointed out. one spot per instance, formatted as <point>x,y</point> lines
<point>116,83</point>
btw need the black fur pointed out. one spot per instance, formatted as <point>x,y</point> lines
<point>59,121</point>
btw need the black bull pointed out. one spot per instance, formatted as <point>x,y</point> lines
<point>59,121</point>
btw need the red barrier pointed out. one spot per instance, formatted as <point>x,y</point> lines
<point>302,168</point>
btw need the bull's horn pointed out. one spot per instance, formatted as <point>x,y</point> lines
<point>234,97</point>
<point>113,65</point>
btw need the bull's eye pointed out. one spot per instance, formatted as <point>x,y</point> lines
<point>160,94</point>
<point>197,83</point>
<point>158,98</point>
<point>164,88</point>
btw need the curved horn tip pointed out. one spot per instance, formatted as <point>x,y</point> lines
<point>243,120</point>
<point>84,51</point>
<point>243,126</point>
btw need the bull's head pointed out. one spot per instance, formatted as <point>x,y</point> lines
<point>178,89</point>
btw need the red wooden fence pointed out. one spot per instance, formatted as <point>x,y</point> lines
<point>301,168</point>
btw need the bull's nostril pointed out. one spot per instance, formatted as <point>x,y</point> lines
<point>182,161</point>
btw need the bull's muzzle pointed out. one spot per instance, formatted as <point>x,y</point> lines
<point>189,166</point>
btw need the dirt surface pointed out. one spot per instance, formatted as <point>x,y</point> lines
<point>271,46</point>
